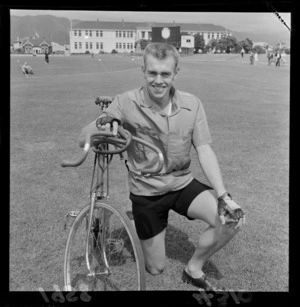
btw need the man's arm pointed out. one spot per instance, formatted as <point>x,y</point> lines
<point>210,167</point>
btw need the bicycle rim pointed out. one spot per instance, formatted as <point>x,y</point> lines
<point>115,254</point>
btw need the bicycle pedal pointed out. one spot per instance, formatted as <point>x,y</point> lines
<point>73,213</point>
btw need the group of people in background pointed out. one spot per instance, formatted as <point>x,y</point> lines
<point>278,57</point>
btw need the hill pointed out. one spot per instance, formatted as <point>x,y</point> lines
<point>46,26</point>
<point>272,38</point>
<point>57,29</point>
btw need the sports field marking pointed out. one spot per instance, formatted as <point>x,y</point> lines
<point>260,62</point>
<point>87,74</point>
<point>287,64</point>
<point>201,60</point>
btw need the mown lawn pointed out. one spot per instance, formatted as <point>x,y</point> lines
<point>248,113</point>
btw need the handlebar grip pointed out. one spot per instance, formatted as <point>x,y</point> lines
<point>67,163</point>
<point>113,140</point>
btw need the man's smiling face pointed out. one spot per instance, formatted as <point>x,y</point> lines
<point>159,76</point>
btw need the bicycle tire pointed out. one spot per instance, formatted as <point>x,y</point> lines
<point>122,251</point>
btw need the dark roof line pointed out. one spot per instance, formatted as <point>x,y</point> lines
<point>124,25</point>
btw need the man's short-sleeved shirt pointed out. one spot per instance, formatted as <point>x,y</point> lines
<point>173,135</point>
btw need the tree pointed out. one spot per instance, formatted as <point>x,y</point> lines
<point>247,44</point>
<point>231,45</point>
<point>199,42</point>
<point>144,43</point>
<point>227,44</point>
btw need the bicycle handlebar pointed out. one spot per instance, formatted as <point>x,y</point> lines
<point>96,138</point>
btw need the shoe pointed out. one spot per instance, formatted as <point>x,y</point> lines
<point>201,282</point>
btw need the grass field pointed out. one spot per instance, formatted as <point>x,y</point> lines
<point>248,114</point>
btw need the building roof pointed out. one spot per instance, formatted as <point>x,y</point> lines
<point>36,41</point>
<point>124,25</point>
<point>105,25</point>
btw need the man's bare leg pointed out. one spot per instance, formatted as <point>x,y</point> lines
<point>155,253</point>
<point>216,236</point>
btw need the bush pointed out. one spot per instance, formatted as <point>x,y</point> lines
<point>19,51</point>
<point>114,51</point>
<point>259,50</point>
<point>87,52</point>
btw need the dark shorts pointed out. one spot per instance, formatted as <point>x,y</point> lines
<point>150,213</point>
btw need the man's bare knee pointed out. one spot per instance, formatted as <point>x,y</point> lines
<point>155,270</point>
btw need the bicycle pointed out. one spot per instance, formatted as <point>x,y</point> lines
<point>112,257</point>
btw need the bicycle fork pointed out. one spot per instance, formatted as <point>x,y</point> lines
<point>102,243</point>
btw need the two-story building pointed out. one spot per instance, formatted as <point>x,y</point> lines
<point>97,36</point>
<point>36,46</point>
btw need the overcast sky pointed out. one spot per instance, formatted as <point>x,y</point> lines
<point>233,21</point>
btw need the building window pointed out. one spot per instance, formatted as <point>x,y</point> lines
<point>101,45</point>
<point>131,45</point>
<point>117,45</point>
<point>124,45</point>
<point>131,34</point>
<point>86,45</point>
<point>117,34</point>
<point>75,33</point>
<point>91,45</point>
<point>101,33</point>
<point>97,45</point>
<point>188,40</point>
<point>143,34</point>
<point>80,45</point>
<point>97,33</point>
<point>91,33</point>
<point>208,35</point>
<point>128,45</point>
<point>86,33</point>
<point>79,32</point>
<point>124,33</point>
<point>75,45</point>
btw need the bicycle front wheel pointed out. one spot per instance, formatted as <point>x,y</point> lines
<point>114,253</point>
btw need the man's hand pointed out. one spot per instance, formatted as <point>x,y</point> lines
<point>105,123</point>
<point>229,211</point>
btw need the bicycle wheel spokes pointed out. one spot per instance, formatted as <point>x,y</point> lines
<point>118,253</point>
<point>79,277</point>
<point>115,256</point>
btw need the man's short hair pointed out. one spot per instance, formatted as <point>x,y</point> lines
<point>161,51</point>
